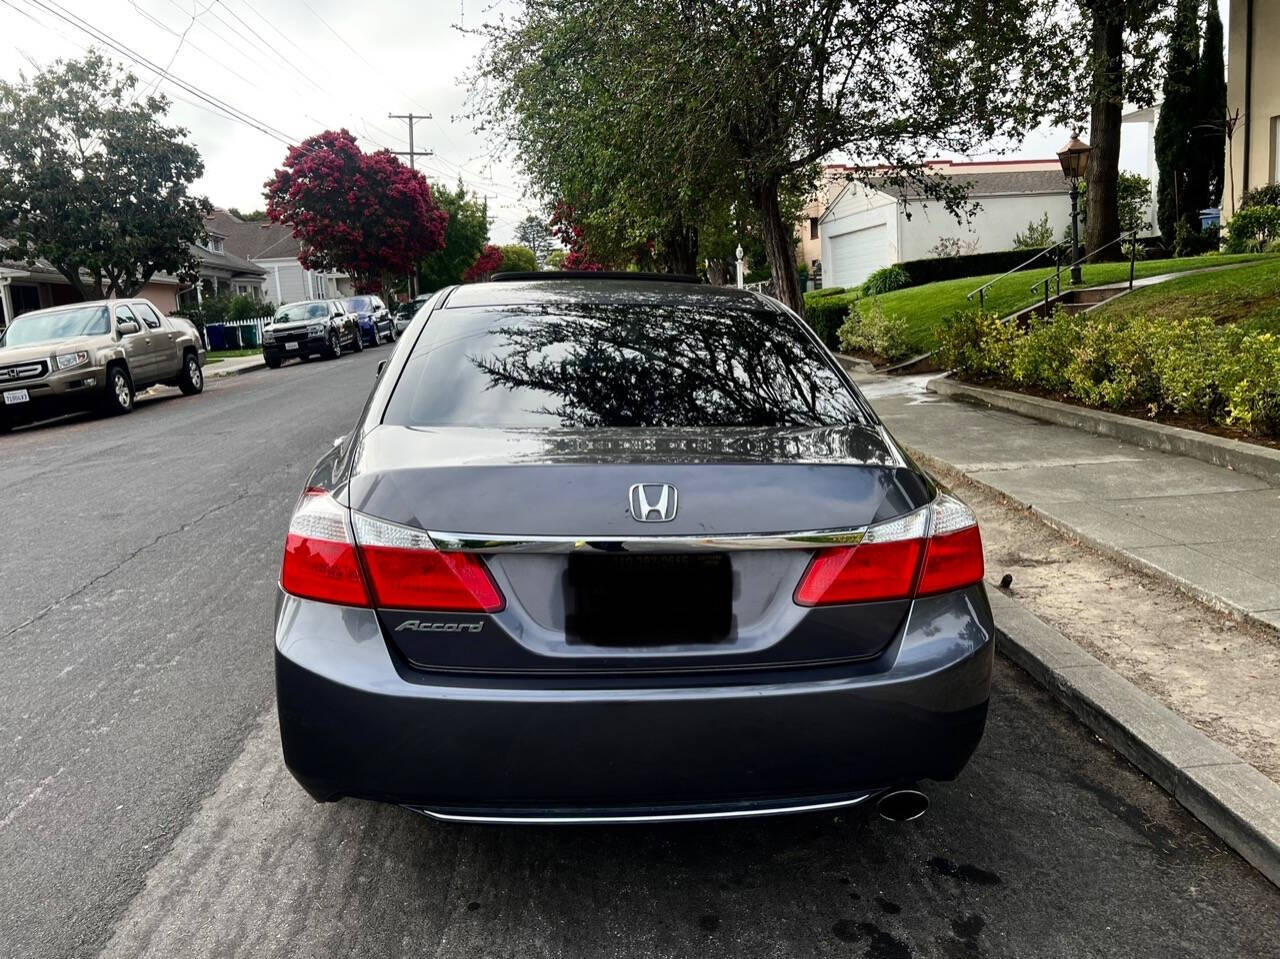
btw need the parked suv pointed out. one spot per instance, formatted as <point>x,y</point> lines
<point>376,325</point>
<point>97,353</point>
<point>303,329</point>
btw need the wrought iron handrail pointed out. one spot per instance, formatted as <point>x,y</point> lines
<point>980,292</point>
<point>1056,277</point>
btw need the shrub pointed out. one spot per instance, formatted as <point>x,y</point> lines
<point>869,329</point>
<point>1268,195</point>
<point>220,309</point>
<point>825,314</point>
<point>1039,235</point>
<point>1185,365</point>
<point>1253,229</point>
<point>886,280</point>
<point>822,293</point>
<point>1253,400</point>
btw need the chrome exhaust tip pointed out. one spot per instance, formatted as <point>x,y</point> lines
<point>902,805</point>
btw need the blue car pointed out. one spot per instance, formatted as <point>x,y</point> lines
<point>376,323</point>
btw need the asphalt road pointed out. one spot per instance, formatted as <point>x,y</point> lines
<point>144,810</point>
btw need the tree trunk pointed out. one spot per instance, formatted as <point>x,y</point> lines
<point>680,250</point>
<point>719,272</point>
<point>1103,223</point>
<point>778,245</point>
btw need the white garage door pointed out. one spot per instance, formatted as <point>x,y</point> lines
<point>854,256</point>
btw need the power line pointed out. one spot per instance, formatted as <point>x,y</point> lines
<point>53,7</point>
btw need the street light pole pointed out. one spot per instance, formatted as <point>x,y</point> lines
<point>1074,158</point>
<point>741,274</point>
<point>1076,277</point>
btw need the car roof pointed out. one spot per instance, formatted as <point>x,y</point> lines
<point>614,289</point>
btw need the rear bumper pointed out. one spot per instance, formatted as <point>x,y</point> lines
<point>354,724</point>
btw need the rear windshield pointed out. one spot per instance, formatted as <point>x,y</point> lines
<point>611,365</point>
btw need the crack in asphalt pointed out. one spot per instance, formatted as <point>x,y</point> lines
<point>51,607</point>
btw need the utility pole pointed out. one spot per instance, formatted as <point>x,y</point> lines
<point>413,155</point>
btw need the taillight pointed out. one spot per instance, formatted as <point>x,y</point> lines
<point>319,554</point>
<point>406,571</point>
<point>933,550</point>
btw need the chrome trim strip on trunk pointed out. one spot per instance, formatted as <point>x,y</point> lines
<point>639,818</point>
<point>489,543</point>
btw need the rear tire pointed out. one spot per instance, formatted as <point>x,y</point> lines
<point>191,380</point>
<point>335,346</point>
<point>359,343</point>
<point>118,396</point>
<point>273,362</point>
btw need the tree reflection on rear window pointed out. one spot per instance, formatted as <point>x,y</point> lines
<point>558,365</point>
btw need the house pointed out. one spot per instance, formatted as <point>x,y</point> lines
<point>32,287</point>
<point>831,180</point>
<point>222,273</point>
<point>872,225</point>
<point>1253,88</point>
<point>272,248</point>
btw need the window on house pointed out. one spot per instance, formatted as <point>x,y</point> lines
<point>813,227</point>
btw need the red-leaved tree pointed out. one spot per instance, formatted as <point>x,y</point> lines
<point>363,214</point>
<point>566,228</point>
<point>486,263</point>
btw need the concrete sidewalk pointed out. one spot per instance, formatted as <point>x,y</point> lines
<point>1210,529</point>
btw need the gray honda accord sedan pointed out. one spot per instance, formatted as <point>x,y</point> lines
<point>607,548</point>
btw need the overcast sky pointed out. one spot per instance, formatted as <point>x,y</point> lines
<point>301,66</point>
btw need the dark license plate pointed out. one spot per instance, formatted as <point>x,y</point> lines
<point>640,599</point>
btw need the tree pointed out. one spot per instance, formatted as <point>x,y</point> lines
<point>536,235</point>
<point>517,259</point>
<point>1211,85</point>
<point>695,100</point>
<point>464,238</point>
<point>1133,201</point>
<point>1120,68</point>
<point>1178,190</point>
<point>92,181</point>
<point>253,216</point>
<point>486,264</point>
<point>569,229</point>
<point>364,214</point>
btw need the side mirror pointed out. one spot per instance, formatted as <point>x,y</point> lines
<point>128,327</point>
<point>381,366</point>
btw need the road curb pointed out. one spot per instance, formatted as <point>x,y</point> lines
<point>257,364</point>
<point>1117,553</point>
<point>1232,798</point>
<point>1260,461</point>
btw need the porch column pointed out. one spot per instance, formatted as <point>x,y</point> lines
<point>6,303</point>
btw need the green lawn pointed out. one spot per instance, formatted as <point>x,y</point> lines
<point>1249,296</point>
<point>924,306</point>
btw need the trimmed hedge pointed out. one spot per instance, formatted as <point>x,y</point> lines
<point>974,264</point>
<point>826,311</point>
<point>1190,365</point>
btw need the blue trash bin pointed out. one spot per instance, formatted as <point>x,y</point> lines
<point>217,334</point>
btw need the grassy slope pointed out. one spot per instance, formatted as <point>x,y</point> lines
<point>924,306</point>
<point>1249,295</point>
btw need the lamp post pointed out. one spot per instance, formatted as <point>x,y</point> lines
<point>1074,158</point>
<point>741,271</point>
